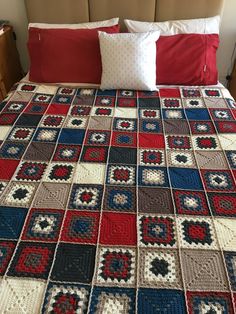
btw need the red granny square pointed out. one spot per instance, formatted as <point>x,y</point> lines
<point>148,94</point>
<point>36,108</point>
<point>169,92</point>
<point>234,112</point>
<point>94,154</point>
<point>7,168</point>
<point>127,102</point>
<point>7,249</point>
<point>118,229</point>
<point>58,109</point>
<point>8,118</point>
<point>81,227</point>
<point>234,173</point>
<point>151,141</point>
<point>226,126</point>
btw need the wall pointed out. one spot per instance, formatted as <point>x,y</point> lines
<point>227,38</point>
<point>14,10</point>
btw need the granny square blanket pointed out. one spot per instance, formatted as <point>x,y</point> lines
<point>117,202</point>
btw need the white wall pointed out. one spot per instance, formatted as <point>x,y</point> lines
<point>227,38</point>
<point>14,11</point>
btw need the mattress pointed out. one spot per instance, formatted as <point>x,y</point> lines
<point>117,201</point>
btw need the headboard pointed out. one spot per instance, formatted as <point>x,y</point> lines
<point>75,11</point>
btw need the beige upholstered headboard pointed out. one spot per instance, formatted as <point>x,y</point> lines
<point>74,11</point>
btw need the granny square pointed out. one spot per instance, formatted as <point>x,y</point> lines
<point>81,227</point>
<point>74,263</point>
<point>11,223</point>
<point>118,229</point>
<point>153,176</point>
<point>6,248</point>
<point>157,301</point>
<point>32,259</point>
<point>43,225</point>
<point>157,231</point>
<point>191,203</point>
<point>122,155</point>
<point>121,199</point>
<point>62,297</point>
<point>112,298</point>
<point>121,175</point>
<point>183,178</point>
<point>116,266</point>
<point>86,197</point>
<point>210,301</point>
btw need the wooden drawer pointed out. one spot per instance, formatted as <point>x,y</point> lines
<point>3,91</point>
<point>10,67</point>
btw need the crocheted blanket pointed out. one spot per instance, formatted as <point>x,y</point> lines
<point>117,201</point>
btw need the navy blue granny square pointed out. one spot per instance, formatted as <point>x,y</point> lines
<point>161,301</point>
<point>197,114</point>
<point>106,92</point>
<point>71,136</point>
<point>185,179</point>
<point>11,222</point>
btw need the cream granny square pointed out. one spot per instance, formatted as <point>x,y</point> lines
<point>124,113</point>
<point>4,130</point>
<point>228,141</point>
<point>226,233</point>
<point>21,296</point>
<point>44,89</point>
<point>88,173</point>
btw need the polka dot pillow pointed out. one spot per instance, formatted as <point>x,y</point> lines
<point>128,60</point>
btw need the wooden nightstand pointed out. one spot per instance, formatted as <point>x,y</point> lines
<point>10,67</point>
<point>232,82</point>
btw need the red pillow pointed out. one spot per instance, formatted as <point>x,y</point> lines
<point>187,59</point>
<point>66,55</point>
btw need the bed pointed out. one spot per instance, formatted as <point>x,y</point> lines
<point>117,201</point>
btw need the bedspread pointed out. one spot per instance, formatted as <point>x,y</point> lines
<point>117,201</point>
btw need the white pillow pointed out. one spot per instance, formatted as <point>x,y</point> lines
<point>88,25</point>
<point>208,25</point>
<point>128,60</point>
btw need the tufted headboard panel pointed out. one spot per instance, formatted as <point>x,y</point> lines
<point>75,11</point>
